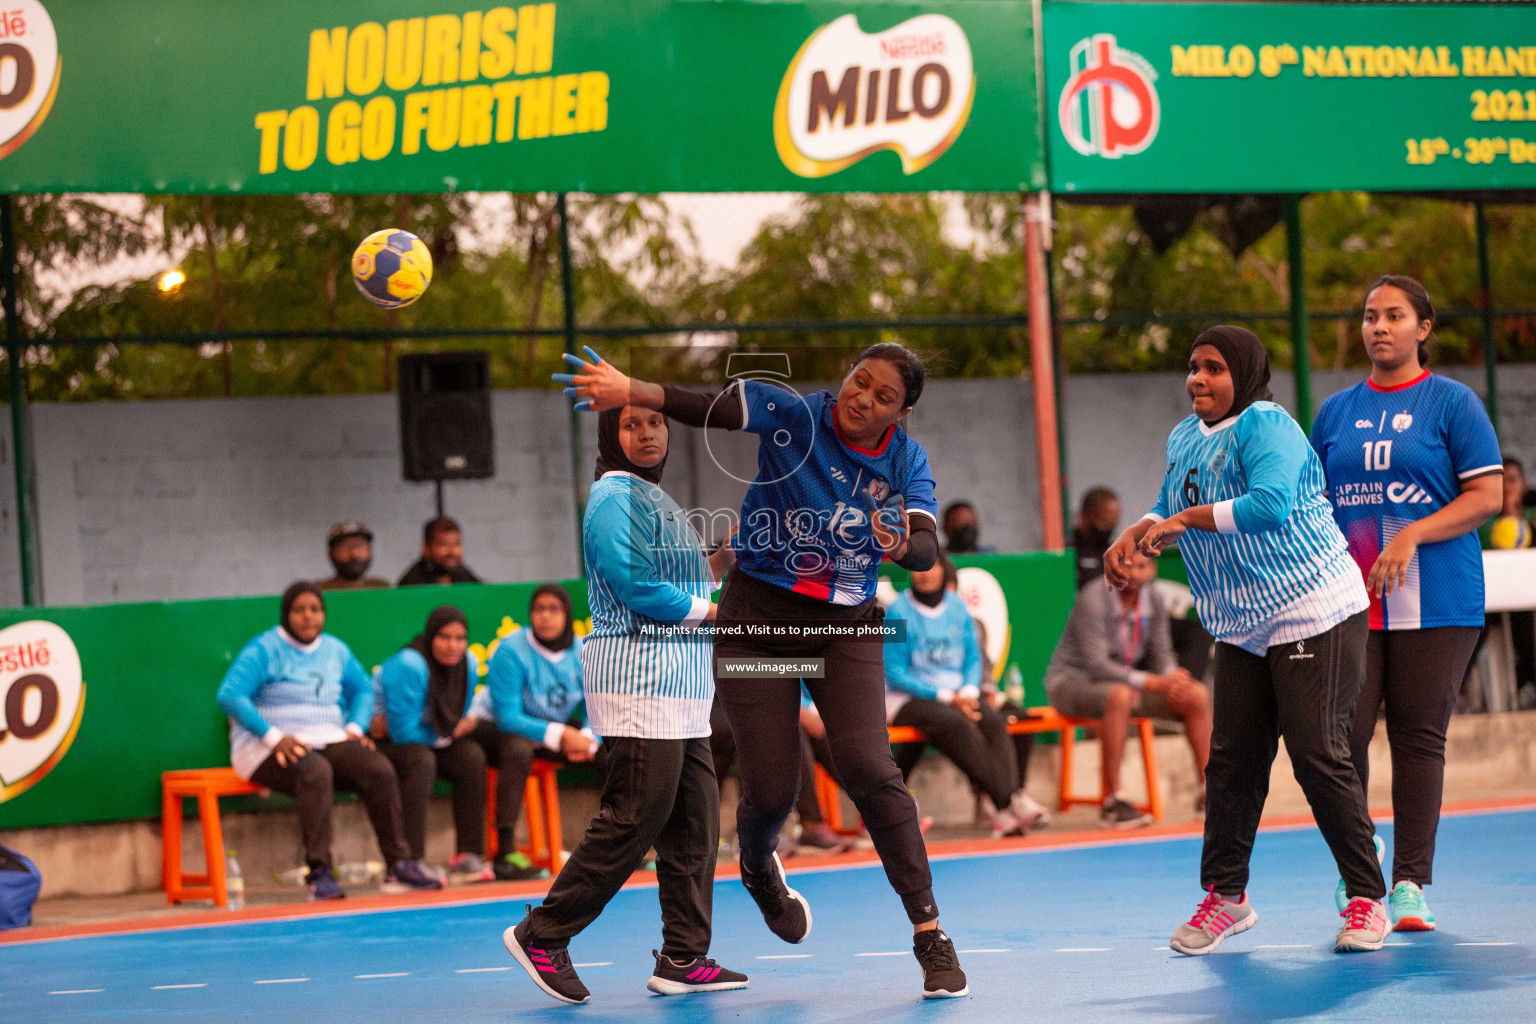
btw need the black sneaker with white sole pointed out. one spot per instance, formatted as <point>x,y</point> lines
<point>942,976</point>
<point>548,966</point>
<point>785,911</point>
<point>700,974</point>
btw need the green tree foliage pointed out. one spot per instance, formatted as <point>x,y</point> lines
<point>280,264</point>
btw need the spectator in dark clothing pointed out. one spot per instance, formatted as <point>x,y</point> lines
<point>962,530</point>
<point>350,549</point>
<point>442,556</point>
<point>1097,518</point>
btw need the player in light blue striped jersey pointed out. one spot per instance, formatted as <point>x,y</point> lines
<point>649,686</point>
<point>1273,581</point>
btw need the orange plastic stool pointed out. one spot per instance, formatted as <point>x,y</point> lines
<point>205,785</point>
<point>1144,730</point>
<point>541,802</point>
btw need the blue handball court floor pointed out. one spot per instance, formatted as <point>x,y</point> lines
<point>1060,934</point>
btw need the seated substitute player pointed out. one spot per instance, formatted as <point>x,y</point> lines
<point>297,701</point>
<point>532,693</point>
<point>424,692</point>
<point>1273,581</point>
<point>933,684</point>
<point>1114,662</point>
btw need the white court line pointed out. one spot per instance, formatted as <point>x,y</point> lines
<point>984,951</point>
<point>899,952</point>
<point>396,974</point>
<point>163,988</point>
<point>1086,949</point>
<point>1479,943</point>
<point>788,956</point>
<point>280,981</point>
<point>75,991</point>
<point>480,970</point>
<point>597,963</point>
<point>1162,949</point>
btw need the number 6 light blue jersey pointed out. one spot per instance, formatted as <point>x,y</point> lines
<point>1394,456</point>
<point>1277,570</point>
<point>804,526</point>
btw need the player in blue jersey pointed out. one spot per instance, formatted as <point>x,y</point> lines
<point>648,690</point>
<point>1273,582</point>
<point>839,485</point>
<point>1413,470</point>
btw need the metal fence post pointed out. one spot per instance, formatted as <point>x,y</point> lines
<point>20,449</point>
<point>1485,313</point>
<point>568,301</point>
<point>1301,352</point>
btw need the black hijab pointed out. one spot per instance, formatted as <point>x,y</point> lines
<point>292,594</point>
<point>610,453</point>
<point>1247,362</point>
<point>447,686</point>
<point>568,634</point>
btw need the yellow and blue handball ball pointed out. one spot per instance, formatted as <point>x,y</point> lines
<point>392,268</point>
<point>1509,533</point>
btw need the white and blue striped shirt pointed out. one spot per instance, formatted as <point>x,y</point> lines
<point>647,570</point>
<point>1277,570</point>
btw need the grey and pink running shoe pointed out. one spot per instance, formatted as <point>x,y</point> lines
<point>1365,927</point>
<point>548,966</point>
<point>700,974</point>
<point>1214,920</point>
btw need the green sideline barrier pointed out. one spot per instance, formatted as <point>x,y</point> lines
<point>151,671</point>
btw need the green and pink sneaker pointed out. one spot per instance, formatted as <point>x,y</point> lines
<point>1409,911</point>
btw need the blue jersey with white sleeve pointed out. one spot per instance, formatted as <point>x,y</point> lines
<point>318,692</point>
<point>1277,569</point>
<point>938,655</point>
<point>804,525</point>
<point>1393,456</point>
<point>530,690</point>
<point>400,695</point>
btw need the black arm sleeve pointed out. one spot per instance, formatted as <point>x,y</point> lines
<point>922,546</point>
<point>700,409</point>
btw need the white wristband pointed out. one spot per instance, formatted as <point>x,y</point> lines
<point>554,732</point>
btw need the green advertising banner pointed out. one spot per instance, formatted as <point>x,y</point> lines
<point>1290,97</point>
<point>420,96</point>
<point>99,700</point>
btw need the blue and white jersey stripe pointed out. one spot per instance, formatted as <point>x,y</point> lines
<point>1278,562</point>
<point>647,569</point>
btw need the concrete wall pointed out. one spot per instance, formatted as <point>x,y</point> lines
<point>170,500</point>
<point>164,500</point>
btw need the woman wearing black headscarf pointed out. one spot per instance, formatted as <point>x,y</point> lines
<point>649,685</point>
<point>532,693</point>
<point>298,700</point>
<point>424,692</point>
<point>1274,583</point>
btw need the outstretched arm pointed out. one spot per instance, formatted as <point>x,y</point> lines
<point>599,385</point>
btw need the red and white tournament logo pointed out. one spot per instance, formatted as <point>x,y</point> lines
<point>1402,421</point>
<point>1109,105</point>
<point>42,698</point>
<point>29,71</point>
<point>849,93</point>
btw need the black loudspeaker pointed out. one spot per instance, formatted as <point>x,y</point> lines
<point>445,416</point>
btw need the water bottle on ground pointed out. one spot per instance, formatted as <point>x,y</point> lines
<point>234,882</point>
<point>1013,685</point>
